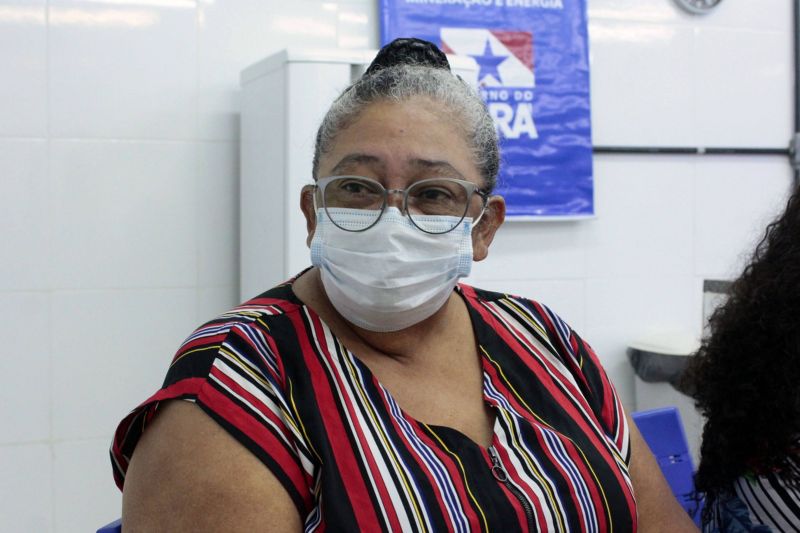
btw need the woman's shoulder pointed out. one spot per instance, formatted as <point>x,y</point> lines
<point>258,313</point>
<point>530,313</point>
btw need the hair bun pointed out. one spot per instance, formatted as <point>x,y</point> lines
<point>409,51</point>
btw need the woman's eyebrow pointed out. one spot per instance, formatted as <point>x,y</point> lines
<point>351,160</point>
<point>442,167</point>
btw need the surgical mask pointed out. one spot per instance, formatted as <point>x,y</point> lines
<point>392,275</point>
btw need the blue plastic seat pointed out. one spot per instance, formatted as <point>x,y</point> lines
<point>663,432</point>
<point>113,527</point>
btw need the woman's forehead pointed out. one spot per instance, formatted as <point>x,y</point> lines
<point>409,134</point>
<point>354,161</point>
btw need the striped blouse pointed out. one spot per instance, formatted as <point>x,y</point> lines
<point>272,374</point>
<point>757,504</point>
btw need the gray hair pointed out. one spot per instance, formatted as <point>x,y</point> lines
<point>402,82</point>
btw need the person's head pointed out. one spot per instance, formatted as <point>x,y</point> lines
<point>408,119</point>
<point>745,376</point>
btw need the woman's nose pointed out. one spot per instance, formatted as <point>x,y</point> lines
<point>394,198</point>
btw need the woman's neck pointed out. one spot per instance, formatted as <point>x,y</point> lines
<point>404,346</point>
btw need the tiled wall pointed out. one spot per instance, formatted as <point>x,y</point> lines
<point>119,219</point>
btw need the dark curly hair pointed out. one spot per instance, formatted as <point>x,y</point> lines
<point>745,377</point>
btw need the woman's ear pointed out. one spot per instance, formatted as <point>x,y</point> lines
<point>307,206</point>
<point>490,222</point>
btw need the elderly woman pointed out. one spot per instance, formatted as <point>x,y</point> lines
<point>373,393</point>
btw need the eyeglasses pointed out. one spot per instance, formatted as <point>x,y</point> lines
<point>447,199</point>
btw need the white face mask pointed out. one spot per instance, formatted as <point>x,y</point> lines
<point>392,275</point>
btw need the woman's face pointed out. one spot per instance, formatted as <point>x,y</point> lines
<point>399,143</point>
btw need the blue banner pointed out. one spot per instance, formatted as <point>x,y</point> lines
<point>533,72</point>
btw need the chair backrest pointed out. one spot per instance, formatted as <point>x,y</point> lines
<point>113,527</point>
<point>663,432</point>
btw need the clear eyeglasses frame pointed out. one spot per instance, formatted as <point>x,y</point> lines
<point>422,199</point>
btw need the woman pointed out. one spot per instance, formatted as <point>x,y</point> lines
<point>745,379</point>
<point>371,392</point>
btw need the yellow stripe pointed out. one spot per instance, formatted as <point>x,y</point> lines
<point>508,384</point>
<point>387,445</point>
<point>527,319</point>
<point>286,415</point>
<point>463,475</point>
<point>525,316</point>
<point>555,509</point>
<point>184,354</point>
<point>300,422</point>
<point>600,488</point>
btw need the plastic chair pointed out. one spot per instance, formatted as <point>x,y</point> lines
<point>663,432</point>
<point>113,527</point>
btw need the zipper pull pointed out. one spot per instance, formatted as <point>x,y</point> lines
<point>498,471</point>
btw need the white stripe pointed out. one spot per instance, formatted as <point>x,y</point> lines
<point>346,397</point>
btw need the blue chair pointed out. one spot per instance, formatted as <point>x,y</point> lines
<point>113,527</point>
<point>662,430</point>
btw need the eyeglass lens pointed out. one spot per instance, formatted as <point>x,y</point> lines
<point>432,197</point>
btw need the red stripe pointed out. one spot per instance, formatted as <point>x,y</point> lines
<point>262,436</point>
<point>144,413</point>
<point>336,431</point>
<point>454,474</point>
<point>559,397</point>
<point>434,485</point>
<point>569,446</point>
<point>207,340</point>
<point>260,406</point>
<point>512,499</point>
<point>376,474</point>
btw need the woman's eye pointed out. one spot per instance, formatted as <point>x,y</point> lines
<point>434,195</point>
<point>354,188</point>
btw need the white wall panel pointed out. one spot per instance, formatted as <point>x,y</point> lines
<point>25,493</point>
<point>122,70</point>
<point>25,394</point>
<point>24,217</point>
<point>81,468</point>
<point>635,11</point>
<point>217,213</point>
<point>23,64</point>
<point>635,100</point>
<point>123,214</point>
<point>534,250</point>
<point>111,350</point>
<point>235,34</point>
<point>743,87</point>
<point>644,217</point>
<point>737,198</point>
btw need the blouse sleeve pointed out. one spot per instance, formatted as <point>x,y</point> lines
<point>595,384</point>
<point>234,373</point>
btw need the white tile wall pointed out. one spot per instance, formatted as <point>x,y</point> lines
<point>728,226</point>
<point>111,349</point>
<point>122,70</point>
<point>641,104</point>
<point>119,175</point>
<point>26,391</point>
<point>123,214</point>
<point>750,102</point>
<point>23,62</point>
<point>26,502</point>
<point>25,220</point>
<point>658,196</point>
<point>76,473</point>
